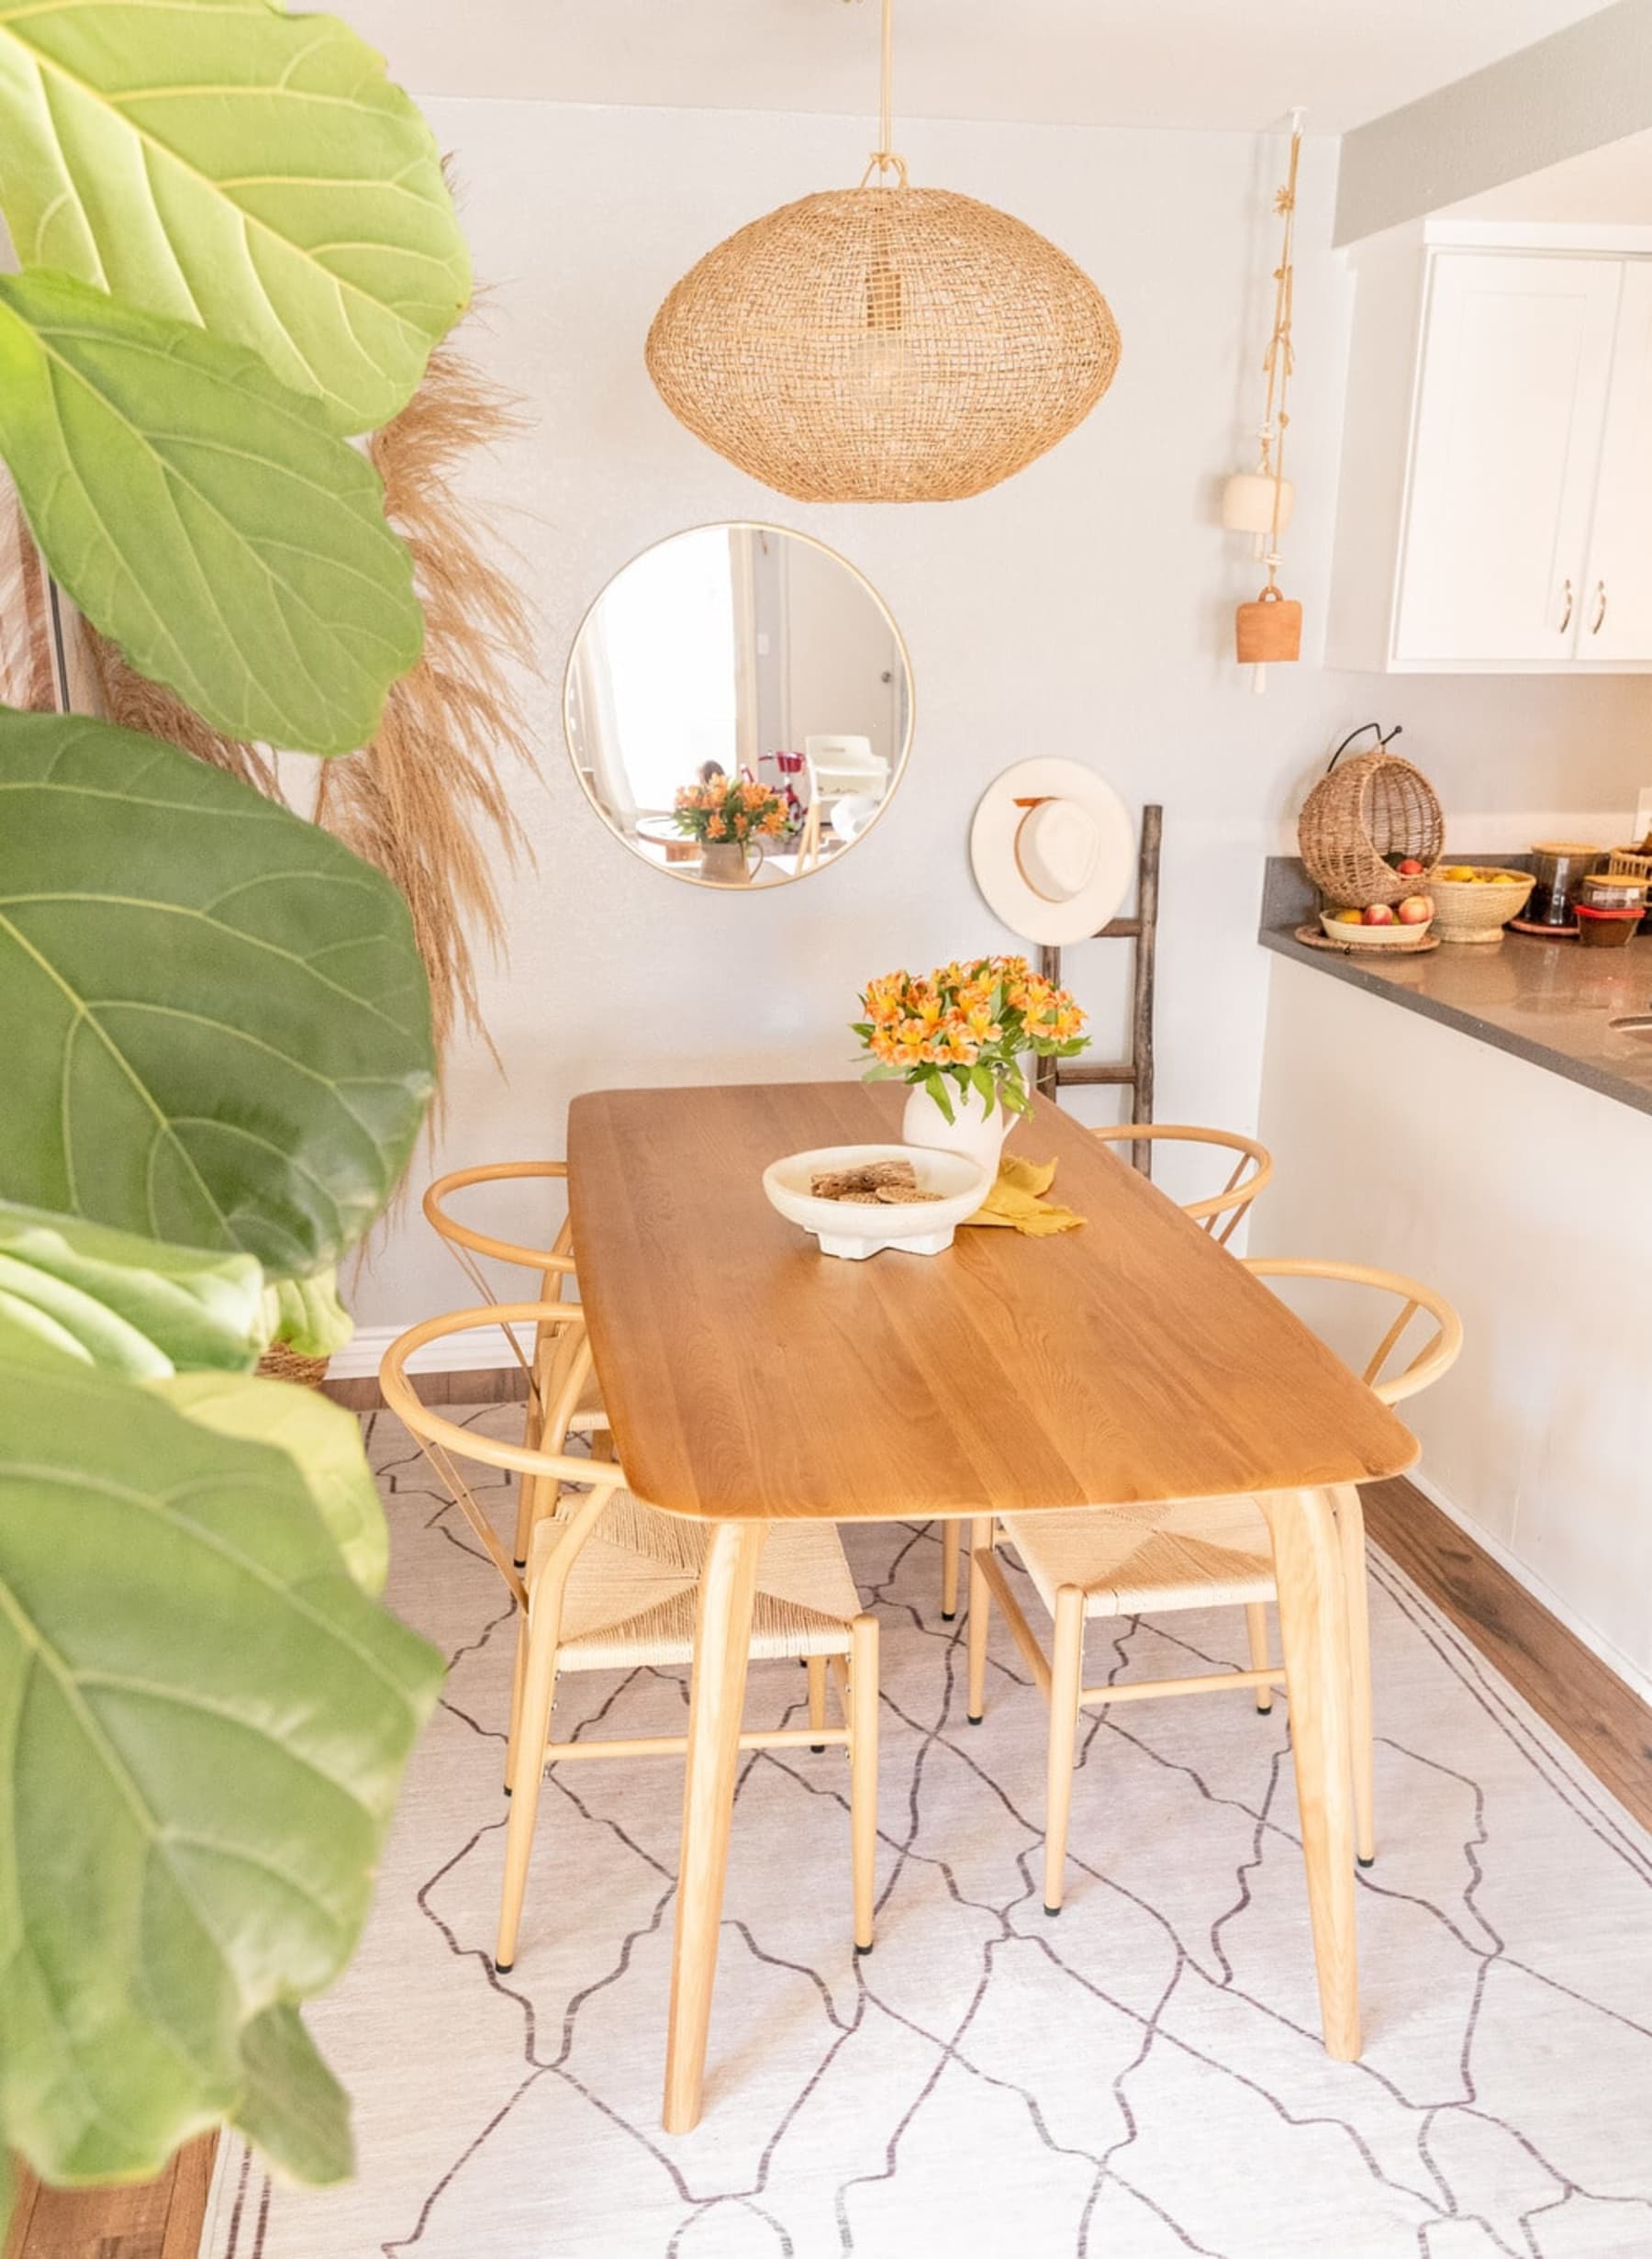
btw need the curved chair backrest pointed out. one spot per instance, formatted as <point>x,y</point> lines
<point>556,1261</point>
<point>1250,1172</point>
<point>1436,1355</point>
<point>464,1244</point>
<point>442,1441</point>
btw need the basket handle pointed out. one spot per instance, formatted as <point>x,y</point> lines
<point>1381,741</point>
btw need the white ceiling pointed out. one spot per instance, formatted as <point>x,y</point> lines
<point>1219,63</point>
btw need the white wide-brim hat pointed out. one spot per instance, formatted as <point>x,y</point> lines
<point>1053,850</point>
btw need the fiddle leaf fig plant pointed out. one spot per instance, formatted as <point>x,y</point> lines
<point>237,252</point>
<point>208,1720</point>
<point>221,1019</point>
<point>237,167</point>
<point>204,517</point>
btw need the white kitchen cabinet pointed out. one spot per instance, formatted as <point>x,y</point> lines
<point>1497,464</point>
<point>1614,622</point>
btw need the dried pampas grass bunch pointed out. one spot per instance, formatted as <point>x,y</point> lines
<point>425,803</point>
<point>136,703</point>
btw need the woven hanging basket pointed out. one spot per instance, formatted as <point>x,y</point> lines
<point>882,345</point>
<point>1364,811</point>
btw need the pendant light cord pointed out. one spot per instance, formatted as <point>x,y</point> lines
<point>884,158</point>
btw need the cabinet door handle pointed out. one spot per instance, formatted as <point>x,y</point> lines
<point>1567,612</point>
<point>1599,621</point>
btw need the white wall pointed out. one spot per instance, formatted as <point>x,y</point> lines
<point>1524,1198</point>
<point>1082,608</point>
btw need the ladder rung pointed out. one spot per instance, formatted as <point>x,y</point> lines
<point>1067,1075</point>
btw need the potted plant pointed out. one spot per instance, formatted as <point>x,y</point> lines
<point>219,1056</point>
<point>730,818</point>
<point>957,1035</point>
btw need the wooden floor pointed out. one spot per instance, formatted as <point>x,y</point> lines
<point>1593,1711</point>
<point>1568,1686</point>
<point>159,2220</point>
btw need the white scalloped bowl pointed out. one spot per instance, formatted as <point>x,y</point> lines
<point>855,1231</point>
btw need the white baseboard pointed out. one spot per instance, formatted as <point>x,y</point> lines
<point>1621,1665</point>
<point>485,1348</point>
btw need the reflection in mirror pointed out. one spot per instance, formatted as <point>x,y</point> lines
<point>739,705</point>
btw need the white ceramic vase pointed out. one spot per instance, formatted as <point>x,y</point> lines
<point>972,1130</point>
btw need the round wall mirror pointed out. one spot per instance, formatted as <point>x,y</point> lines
<point>739,705</point>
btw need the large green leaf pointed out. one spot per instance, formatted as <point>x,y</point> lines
<point>206,1723</point>
<point>126,1304</point>
<point>204,516</point>
<point>323,1441</point>
<point>307,1315</point>
<point>235,166</point>
<point>213,1018</point>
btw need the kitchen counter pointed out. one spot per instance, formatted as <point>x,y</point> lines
<point>1549,1002</point>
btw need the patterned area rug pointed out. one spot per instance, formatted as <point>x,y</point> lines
<point>1141,2078</point>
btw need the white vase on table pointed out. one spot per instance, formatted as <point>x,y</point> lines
<point>972,1130</point>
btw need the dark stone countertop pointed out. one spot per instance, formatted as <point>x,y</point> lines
<point>1548,1002</point>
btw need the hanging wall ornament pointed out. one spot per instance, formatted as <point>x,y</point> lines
<point>1271,628</point>
<point>883,343</point>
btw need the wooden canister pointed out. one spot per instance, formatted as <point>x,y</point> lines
<point>1268,630</point>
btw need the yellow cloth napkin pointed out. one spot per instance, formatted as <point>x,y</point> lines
<point>1017,1200</point>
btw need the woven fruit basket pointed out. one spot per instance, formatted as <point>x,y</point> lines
<point>1471,909</point>
<point>1362,818</point>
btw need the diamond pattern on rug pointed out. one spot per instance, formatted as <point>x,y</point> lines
<point>1142,2079</point>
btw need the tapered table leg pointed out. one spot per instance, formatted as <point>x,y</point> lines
<point>1314,1636</point>
<point>721,1641</point>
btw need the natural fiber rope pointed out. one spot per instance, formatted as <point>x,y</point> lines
<point>1280,359</point>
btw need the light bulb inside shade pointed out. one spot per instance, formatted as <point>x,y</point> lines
<point>880,351</point>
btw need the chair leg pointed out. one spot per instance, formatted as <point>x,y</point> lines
<point>1350,1533</point>
<point>1066,1682</point>
<point>863,1772</point>
<point>1256,1624</point>
<point>816,1697</point>
<point>527,1493</point>
<point>951,1535</point>
<point>528,1766</point>
<point>981,1615</point>
<point>518,1676</point>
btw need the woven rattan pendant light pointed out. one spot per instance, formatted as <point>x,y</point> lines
<point>883,343</point>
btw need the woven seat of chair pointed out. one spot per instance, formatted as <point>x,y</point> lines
<point>1134,1560</point>
<point>589,1411</point>
<point>631,1599</point>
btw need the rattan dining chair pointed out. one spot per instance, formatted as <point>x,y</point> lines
<point>1222,1209</point>
<point>554,1265</point>
<point>1156,1558</point>
<point>611,1584</point>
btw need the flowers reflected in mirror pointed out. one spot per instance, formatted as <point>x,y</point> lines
<point>735,820</point>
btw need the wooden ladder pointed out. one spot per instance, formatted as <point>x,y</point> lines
<point>1135,1073</point>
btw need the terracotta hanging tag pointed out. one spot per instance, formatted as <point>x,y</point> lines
<point>1269,629</point>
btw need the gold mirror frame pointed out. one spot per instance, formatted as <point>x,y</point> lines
<point>897,768</point>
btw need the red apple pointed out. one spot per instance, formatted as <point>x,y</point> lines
<point>1378,914</point>
<point>1410,869</point>
<point>1416,910</point>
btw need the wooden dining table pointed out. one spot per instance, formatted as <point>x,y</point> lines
<point>751,1380</point>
